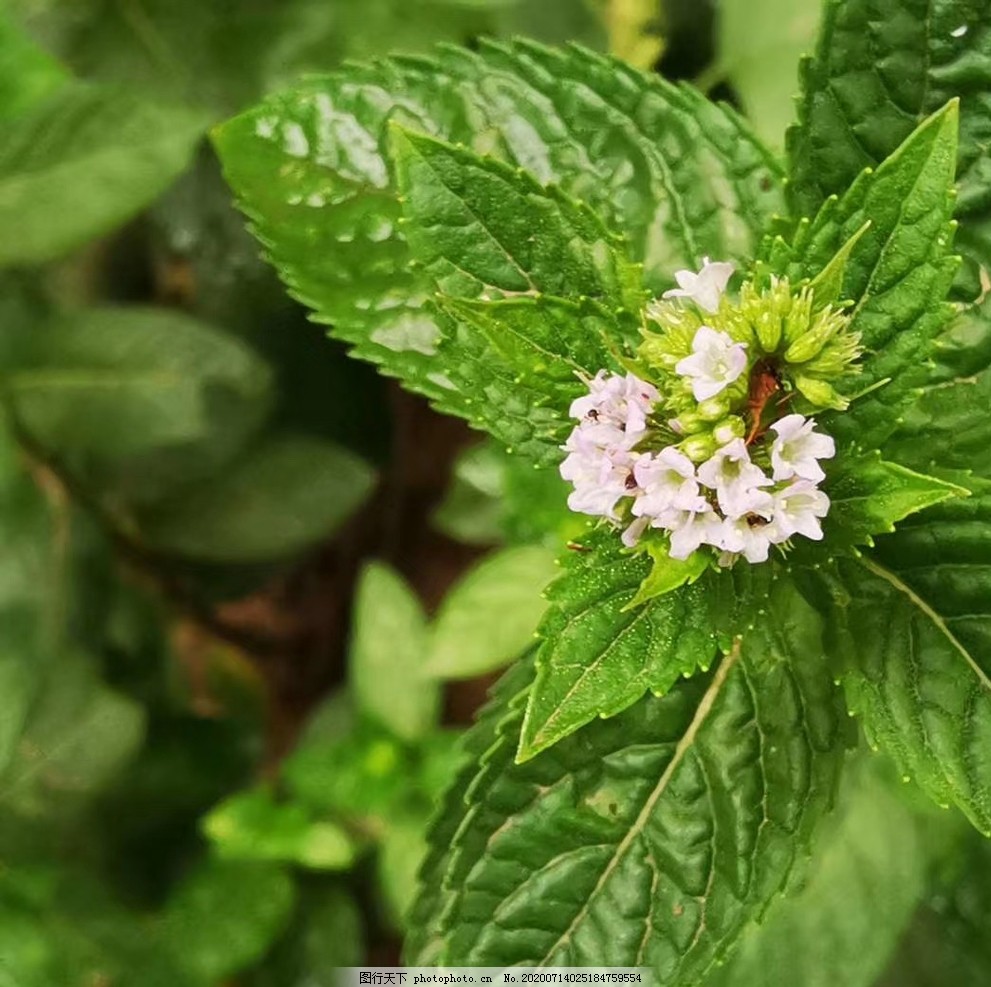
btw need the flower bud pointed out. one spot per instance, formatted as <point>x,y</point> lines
<point>820,392</point>
<point>714,409</point>
<point>690,423</point>
<point>729,429</point>
<point>698,448</point>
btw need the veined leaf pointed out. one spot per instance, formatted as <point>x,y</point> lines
<point>948,426</point>
<point>658,834</point>
<point>484,231</point>
<point>598,654</point>
<point>911,631</point>
<point>845,911</point>
<point>898,274</point>
<point>122,150</point>
<point>881,67</point>
<point>677,175</point>
<point>868,496</point>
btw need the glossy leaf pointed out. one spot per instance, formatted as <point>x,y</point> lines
<point>122,150</point>
<point>600,652</point>
<point>678,176</point>
<point>844,913</point>
<point>898,273</point>
<point>489,617</point>
<point>881,67</point>
<point>388,656</point>
<point>656,834</point>
<point>911,632</point>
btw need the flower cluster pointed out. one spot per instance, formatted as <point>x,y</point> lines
<point>706,458</point>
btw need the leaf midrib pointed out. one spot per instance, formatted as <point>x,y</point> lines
<point>639,824</point>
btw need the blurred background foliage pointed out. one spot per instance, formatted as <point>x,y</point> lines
<point>250,592</point>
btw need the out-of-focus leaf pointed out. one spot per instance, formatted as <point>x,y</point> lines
<point>81,163</point>
<point>281,496</point>
<point>225,915</point>
<point>27,74</point>
<point>758,49</point>
<point>403,846</point>
<point>388,653</point>
<point>253,826</point>
<point>326,934</point>
<point>490,616</point>
<point>471,511</point>
<point>134,403</point>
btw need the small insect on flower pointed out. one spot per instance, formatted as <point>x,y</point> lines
<point>697,452</point>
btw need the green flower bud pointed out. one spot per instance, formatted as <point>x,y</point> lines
<point>689,423</point>
<point>820,392</point>
<point>733,427</point>
<point>811,342</point>
<point>698,448</point>
<point>714,409</point>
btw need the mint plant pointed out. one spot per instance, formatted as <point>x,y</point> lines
<point>782,454</point>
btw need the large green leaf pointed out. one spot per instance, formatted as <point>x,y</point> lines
<point>881,67</point>
<point>388,659</point>
<point>678,176</point>
<point>844,913</point>
<point>898,273</point>
<point>27,74</point>
<point>657,834</point>
<point>598,654</point>
<point>910,630</point>
<point>81,163</point>
<point>948,426</point>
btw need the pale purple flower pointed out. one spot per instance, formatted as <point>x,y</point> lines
<point>715,363</point>
<point>797,449</point>
<point>706,287</point>
<point>690,529</point>
<point>622,401</point>
<point>631,535</point>
<point>747,536</point>
<point>666,481</point>
<point>600,466</point>
<point>736,480</point>
<point>798,509</point>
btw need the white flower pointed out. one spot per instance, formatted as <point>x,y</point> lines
<point>631,535</point>
<point>600,466</point>
<point>797,449</point>
<point>716,362</point>
<point>667,481</point>
<point>747,536</point>
<point>736,480</point>
<point>690,529</point>
<point>704,288</point>
<point>797,510</point>
<point>622,401</point>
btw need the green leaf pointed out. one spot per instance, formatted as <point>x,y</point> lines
<point>868,496</point>
<point>832,926</point>
<point>471,511</point>
<point>253,826</point>
<point>282,495</point>
<point>948,427</point>
<point>389,655</point>
<point>224,916</point>
<point>667,574</point>
<point>898,273</point>
<point>133,403</point>
<point>399,858</point>
<point>598,655</point>
<point>759,46</point>
<point>910,633</point>
<point>490,615</point>
<point>881,67</point>
<point>677,175</point>
<point>688,809</point>
<point>121,150</point>
<point>27,74</point>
